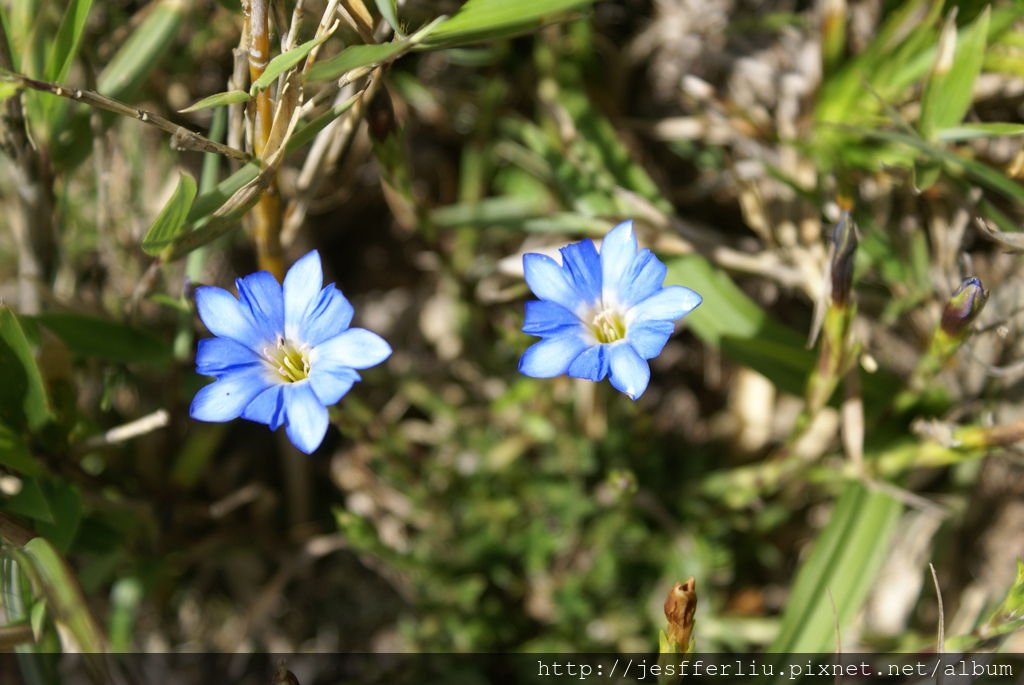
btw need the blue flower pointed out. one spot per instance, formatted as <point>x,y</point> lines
<point>601,314</point>
<point>281,355</point>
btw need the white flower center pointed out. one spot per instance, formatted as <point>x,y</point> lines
<point>289,360</point>
<point>608,325</point>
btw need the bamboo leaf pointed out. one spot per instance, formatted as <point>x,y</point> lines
<point>231,97</point>
<point>15,455</point>
<point>479,20</point>
<point>284,62</point>
<point>52,579</point>
<point>389,10</point>
<point>356,56</point>
<point>23,400</point>
<point>137,57</point>
<point>90,336</point>
<point>171,220</point>
<point>66,42</point>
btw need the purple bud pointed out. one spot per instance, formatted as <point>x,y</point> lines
<point>844,246</point>
<point>964,306</point>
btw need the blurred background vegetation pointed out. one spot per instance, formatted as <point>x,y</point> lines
<point>805,479</point>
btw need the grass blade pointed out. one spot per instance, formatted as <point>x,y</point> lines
<point>844,561</point>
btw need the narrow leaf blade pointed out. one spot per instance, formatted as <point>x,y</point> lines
<point>171,220</point>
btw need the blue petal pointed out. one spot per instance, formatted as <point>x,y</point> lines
<point>225,317</point>
<point>225,398</point>
<point>648,338</point>
<point>261,294</point>
<point>267,407</point>
<point>643,279</point>
<point>547,318</point>
<point>667,304</point>
<point>581,262</point>
<point>302,284</point>
<point>331,315</point>
<point>330,385</point>
<point>356,348</point>
<point>306,417</point>
<point>592,364</point>
<point>618,250</point>
<point>217,356</point>
<point>548,281</point>
<point>551,357</point>
<point>629,373</point>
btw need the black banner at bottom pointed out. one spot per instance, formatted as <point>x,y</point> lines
<point>528,668</point>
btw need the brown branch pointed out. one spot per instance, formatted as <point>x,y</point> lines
<point>267,213</point>
<point>181,137</point>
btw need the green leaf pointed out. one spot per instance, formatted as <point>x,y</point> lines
<point>955,164</point>
<point>479,20</point>
<point>207,203</point>
<point>732,322</point>
<point>29,502</point>
<point>65,44</point>
<point>172,217</point>
<point>66,505</point>
<point>14,453</point>
<point>138,55</point>
<point>230,97</point>
<point>389,10</point>
<point>284,62</point>
<point>90,336</point>
<point>23,400</point>
<point>982,130</point>
<point>947,95</point>
<point>356,56</point>
<point>841,568</point>
<point>51,577</point>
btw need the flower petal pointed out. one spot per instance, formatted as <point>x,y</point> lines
<point>548,281</point>
<point>583,266</point>
<point>629,373</point>
<point>547,318</point>
<point>592,364</point>
<point>329,316</point>
<point>644,278</point>
<point>225,317</point>
<point>306,417</point>
<point>648,338</point>
<point>217,356</point>
<point>225,398</point>
<point>551,357</point>
<point>330,385</point>
<point>267,407</point>
<point>618,250</point>
<point>261,294</point>
<point>302,284</point>
<point>356,348</point>
<point>667,304</point>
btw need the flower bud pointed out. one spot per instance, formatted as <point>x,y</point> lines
<point>844,246</point>
<point>963,307</point>
<point>680,607</point>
